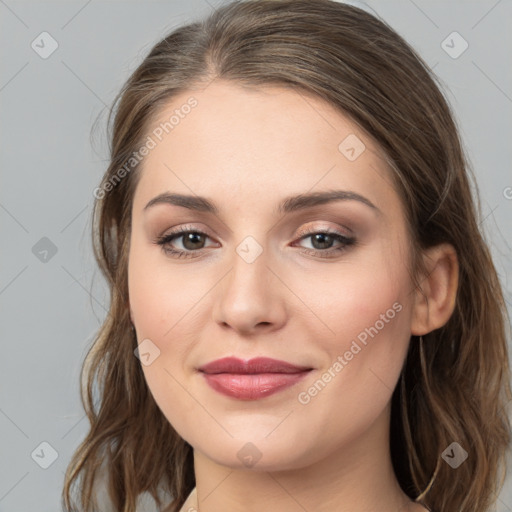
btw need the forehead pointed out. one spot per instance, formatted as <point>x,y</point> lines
<point>245,145</point>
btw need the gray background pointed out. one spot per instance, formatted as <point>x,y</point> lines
<point>52,304</point>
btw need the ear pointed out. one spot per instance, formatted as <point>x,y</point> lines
<point>434,299</point>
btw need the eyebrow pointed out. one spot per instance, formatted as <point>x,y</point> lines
<point>288,205</point>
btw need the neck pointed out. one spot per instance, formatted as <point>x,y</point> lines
<point>357,477</point>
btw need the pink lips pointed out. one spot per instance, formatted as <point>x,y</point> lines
<point>253,379</point>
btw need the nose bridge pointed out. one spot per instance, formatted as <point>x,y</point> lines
<point>248,296</point>
<point>249,266</point>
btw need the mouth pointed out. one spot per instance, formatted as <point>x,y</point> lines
<point>252,366</point>
<point>253,379</point>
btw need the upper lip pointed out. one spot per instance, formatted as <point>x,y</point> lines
<point>256,365</point>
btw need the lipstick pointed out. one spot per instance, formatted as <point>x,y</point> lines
<point>253,379</point>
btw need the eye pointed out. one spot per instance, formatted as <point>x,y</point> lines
<point>193,242</point>
<point>323,240</point>
<point>191,238</point>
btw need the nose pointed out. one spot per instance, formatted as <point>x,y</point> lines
<point>251,298</point>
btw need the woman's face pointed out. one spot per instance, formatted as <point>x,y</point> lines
<point>322,285</point>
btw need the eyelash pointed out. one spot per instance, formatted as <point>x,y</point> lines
<point>165,240</point>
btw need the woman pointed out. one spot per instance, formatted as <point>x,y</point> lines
<point>304,313</point>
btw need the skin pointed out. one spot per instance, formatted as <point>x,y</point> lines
<point>247,150</point>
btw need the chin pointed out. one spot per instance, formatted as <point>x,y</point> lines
<point>258,455</point>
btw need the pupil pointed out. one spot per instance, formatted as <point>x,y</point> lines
<point>190,238</point>
<point>325,242</point>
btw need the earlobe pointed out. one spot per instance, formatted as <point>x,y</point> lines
<point>435,298</point>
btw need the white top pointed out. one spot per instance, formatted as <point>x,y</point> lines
<point>190,504</point>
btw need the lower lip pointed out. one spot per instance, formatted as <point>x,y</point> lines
<point>252,386</point>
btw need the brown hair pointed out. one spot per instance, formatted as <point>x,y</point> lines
<point>455,383</point>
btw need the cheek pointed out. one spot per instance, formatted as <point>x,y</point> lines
<point>159,307</point>
<point>364,355</point>
<point>159,295</point>
<point>350,295</point>
<point>366,309</point>
<point>352,299</point>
